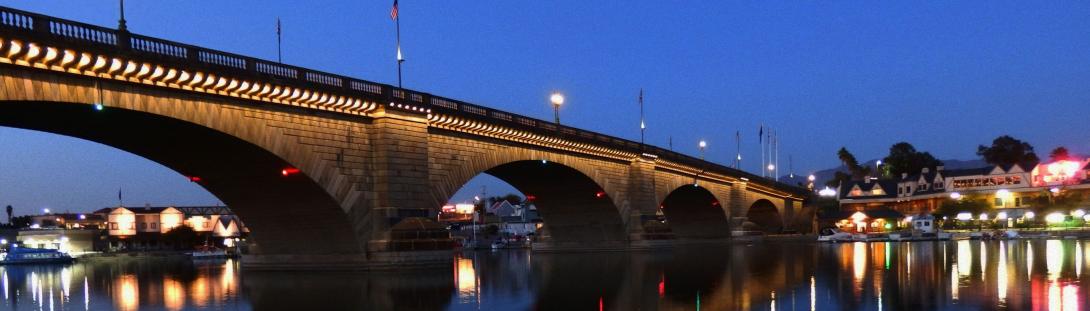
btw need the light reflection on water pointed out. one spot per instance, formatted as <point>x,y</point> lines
<point>959,275</point>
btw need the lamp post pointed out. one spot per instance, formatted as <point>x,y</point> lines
<point>557,99</point>
<point>811,178</point>
<point>878,169</point>
<point>703,144</point>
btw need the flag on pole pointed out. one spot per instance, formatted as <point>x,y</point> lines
<point>761,134</point>
<point>278,26</point>
<point>393,12</point>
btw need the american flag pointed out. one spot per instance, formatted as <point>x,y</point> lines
<point>393,12</point>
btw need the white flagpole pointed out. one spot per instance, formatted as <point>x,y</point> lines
<point>643,126</point>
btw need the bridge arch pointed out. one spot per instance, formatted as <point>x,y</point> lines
<point>693,212</point>
<point>575,209</point>
<point>237,155</point>
<point>765,215</point>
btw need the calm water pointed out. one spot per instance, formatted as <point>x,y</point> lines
<point>961,275</point>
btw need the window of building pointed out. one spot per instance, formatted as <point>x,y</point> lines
<point>143,225</point>
<point>154,225</point>
<point>132,225</point>
<point>999,202</point>
<point>113,226</point>
<point>1018,201</point>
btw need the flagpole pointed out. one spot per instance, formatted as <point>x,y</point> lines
<point>397,21</point>
<point>279,55</point>
<point>738,149</point>
<point>761,140</point>
<point>642,125</point>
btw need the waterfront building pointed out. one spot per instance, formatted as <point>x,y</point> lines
<point>1010,191</point>
<point>73,241</point>
<point>143,227</point>
<point>68,221</point>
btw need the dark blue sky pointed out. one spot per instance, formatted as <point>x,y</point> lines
<point>944,76</point>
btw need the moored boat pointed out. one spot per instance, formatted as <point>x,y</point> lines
<point>834,235</point>
<point>22,255</point>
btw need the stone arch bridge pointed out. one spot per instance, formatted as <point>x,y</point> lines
<point>334,172</point>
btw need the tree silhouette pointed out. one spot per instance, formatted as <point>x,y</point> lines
<point>857,172</point>
<point>903,158</point>
<point>1006,150</point>
<point>1060,153</point>
<point>9,213</point>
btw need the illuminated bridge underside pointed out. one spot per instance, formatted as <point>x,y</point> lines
<point>374,162</point>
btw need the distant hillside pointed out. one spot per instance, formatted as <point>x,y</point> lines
<point>827,174</point>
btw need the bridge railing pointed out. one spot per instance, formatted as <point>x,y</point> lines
<point>71,34</point>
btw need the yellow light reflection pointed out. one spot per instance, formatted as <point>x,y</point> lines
<point>983,259</point>
<point>1054,299</point>
<point>199,291</point>
<point>813,294</point>
<point>1029,260</point>
<point>1054,258</point>
<point>466,277</point>
<point>66,281</point>
<point>127,298</point>
<point>954,281</point>
<point>1001,274</point>
<point>227,280</point>
<point>859,260</point>
<point>1078,259</point>
<point>1071,297</point>
<point>173,294</point>
<point>965,258</point>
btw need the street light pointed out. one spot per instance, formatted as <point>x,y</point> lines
<point>878,168</point>
<point>557,99</point>
<point>811,178</point>
<point>45,210</point>
<point>703,144</point>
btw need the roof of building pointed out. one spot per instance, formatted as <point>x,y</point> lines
<point>187,210</point>
<point>888,186</point>
<point>968,171</point>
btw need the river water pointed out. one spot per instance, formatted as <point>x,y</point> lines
<point>957,275</point>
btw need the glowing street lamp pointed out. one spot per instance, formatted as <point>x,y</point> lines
<point>827,192</point>
<point>1029,215</point>
<point>703,144</point>
<point>45,210</point>
<point>557,99</point>
<point>955,195</point>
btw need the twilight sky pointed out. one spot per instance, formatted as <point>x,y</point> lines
<point>943,76</point>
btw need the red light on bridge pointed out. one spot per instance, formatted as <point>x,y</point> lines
<point>600,194</point>
<point>194,179</point>
<point>289,171</point>
<point>715,203</point>
<point>530,197</point>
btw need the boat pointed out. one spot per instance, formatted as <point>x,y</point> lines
<point>208,253</point>
<point>22,255</point>
<point>834,235</point>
